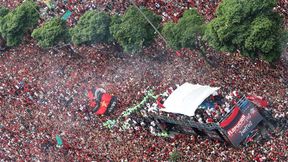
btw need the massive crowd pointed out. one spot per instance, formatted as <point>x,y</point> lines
<point>169,10</point>
<point>42,94</point>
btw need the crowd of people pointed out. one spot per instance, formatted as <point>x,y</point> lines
<point>43,94</point>
<point>169,10</point>
<point>283,7</point>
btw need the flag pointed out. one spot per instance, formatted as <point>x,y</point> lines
<point>257,100</point>
<point>59,141</point>
<point>178,53</point>
<point>67,14</point>
<point>101,102</point>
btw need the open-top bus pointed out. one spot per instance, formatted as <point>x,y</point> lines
<point>208,111</point>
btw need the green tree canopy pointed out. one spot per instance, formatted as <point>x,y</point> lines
<point>51,33</point>
<point>186,33</point>
<point>93,27</point>
<point>15,24</point>
<point>132,31</point>
<point>249,26</point>
<point>3,11</point>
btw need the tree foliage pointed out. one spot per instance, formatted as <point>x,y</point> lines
<point>249,26</point>
<point>3,11</point>
<point>93,27</point>
<point>15,24</point>
<point>51,33</point>
<point>132,31</point>
<point>185,33</point>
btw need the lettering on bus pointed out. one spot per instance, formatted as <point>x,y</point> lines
<point>239,124</point>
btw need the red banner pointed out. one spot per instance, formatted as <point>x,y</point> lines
<point>102,103</point>
<point>240,123</point>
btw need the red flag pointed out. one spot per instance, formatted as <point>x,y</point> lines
<point>259,101</point>
<point>101,102</point>
<point>105,101</point>
<point>158,101</point>
<point>178,53</point>
<point>90,95</point>
<point>92,103</point>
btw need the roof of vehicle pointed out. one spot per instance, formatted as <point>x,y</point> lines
<point>187,98</point>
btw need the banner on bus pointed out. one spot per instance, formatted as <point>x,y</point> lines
<point>240,123</point>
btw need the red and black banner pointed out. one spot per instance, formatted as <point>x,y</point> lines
<point>100,102</point>
<point>232,119</point>
<point>240,123</point>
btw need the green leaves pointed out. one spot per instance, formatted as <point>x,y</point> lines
<point>51,33</point>
<point>184,34</point>
<point>261,27</point>
<point>15,24</point>
<point>249,26</point>
<point>3,11</point>
<point>93,27</point>
<point>132,31</point>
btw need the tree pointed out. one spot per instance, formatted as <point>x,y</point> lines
<point>187,33</point>
<point>248,26</point>
<point>15,24</point>
<point>93,27</point>
<point>132,31</point>
<point>3,11</point>
<point>51,33</point>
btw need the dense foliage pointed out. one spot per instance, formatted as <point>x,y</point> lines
<point>248,26</point>
<point>93,27</point>
<point>187,32</point>
<point>15,24</point>
<point>132,31</point>
<point>51,33</point>
<point>3,11</point>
